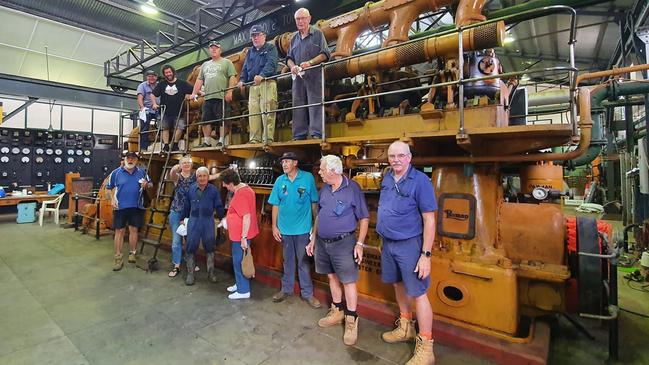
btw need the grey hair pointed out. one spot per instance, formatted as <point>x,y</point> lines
<point>302,10</point>
<point>186,157</point>
<point>333,163</point>
<point>401,144</point>
<point>202,170</point>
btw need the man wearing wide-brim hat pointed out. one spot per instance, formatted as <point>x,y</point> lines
<point>295,204</point>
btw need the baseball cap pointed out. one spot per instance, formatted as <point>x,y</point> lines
<point>215,43</point>
<point>132,154</point>
<point>150,72</point>
<point>289,156</point>
<point>256,29</point>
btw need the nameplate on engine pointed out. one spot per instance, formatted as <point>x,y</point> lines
<point>456,215</point>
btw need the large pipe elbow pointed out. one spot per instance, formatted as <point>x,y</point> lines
<point>469,12</point>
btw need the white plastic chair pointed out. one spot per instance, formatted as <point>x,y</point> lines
<point>56,203</point>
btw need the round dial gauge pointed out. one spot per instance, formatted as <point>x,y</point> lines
<point>4,149</point>
<point>58,152</point>
<point>39,159</point>
<point>26,151</point>
<point>86,152</point>
<point>4,159</point>
<point>25,159</point>
<point>70,152</point>
<point>86,160</point>
<point>79,152</point>
<point>57,159</point>
<point>70,160</point>
<point>4,174</point>
<point>15,150</point>
<point>540,193</point>
<point>49,151</point>
<point>40,151</point>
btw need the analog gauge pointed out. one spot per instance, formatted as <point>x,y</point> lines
<point>4,174</point>
<point>57,159</point>
<point>25,159</point>
<point>86,152</point>
<point>39,159</point>
<point>4,159</point>
<point>540,193</point>
<point>40,151</point>
<point>4,150</point>
<point>49,151</point>
<point>86,160</point>
<point>79,152</point>
<point>70,160</point>
<point>58,152</point>
<point>70,152</point>
<point>15,150</point>
<point>39,174</point>
<point>26,151</point>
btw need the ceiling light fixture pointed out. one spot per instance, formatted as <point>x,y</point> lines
<point>508,39</point>
<point>149,8</point>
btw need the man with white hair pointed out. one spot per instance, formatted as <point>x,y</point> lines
<point>307,49</point>
<point>127,184</point>
<point>338,252</point>
<point>201,202</point>
<point>406,224</point>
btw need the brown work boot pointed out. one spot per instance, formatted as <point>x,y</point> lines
<point>118,262</point>
<point>423,352</point>
<point>313,302</point>
<point>334,316</point>
<point>351,330</point>
<point>131,257</point>
<point>280,296</point>
<point>405,331</point>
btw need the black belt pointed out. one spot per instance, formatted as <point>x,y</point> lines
<point>335,239</point>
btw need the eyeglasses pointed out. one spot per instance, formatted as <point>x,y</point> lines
<point>399,156</point>
<point>302,18</point>
<point>399,193</point>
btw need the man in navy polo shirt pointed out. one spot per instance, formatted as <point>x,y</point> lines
<point>338,252</point>
<point>406,224</point>
<point>295,204</point>
<point>261,62</point>
<point>127,184</point>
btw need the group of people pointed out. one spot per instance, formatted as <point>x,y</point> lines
<point>163,100</point>
<point>330,225</point>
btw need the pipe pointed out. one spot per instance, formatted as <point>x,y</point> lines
<point>585,124</point>
<point>486,36</point>
<point>399,15</point>
<point>625,242</point>
<point>613,72</point>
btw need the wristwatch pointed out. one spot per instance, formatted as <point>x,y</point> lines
<point>426,253</point>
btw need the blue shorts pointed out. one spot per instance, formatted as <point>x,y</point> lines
<point>337,258</point>
<point>398,263</point>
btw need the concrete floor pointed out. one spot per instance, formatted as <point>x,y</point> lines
<point>61,304</point>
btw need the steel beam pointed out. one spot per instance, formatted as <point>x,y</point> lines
<point>29,102</point>
<point>33,88</point>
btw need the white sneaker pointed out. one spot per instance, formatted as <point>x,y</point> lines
<point>232,288</point>
<point>236,295</point>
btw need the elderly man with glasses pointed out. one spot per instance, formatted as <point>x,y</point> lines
<point>406,224</point>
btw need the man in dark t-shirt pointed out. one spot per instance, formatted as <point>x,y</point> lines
<point>172,93</point>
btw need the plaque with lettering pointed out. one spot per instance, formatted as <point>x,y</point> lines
<point>456,215</point>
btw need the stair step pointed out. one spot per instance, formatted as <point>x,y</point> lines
<point>157,226</point>
<point>151,242</point>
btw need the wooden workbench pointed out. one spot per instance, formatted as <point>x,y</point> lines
<point>15,200</point>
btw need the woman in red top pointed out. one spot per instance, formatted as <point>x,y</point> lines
<point>242,226</point>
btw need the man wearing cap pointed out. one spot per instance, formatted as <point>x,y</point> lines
<point>260,63</point>
<point>295,202</point>
<point>172,93</point>
<point>308,48</point>
<point>216,75</point>
<point>144,91</point>
<point>406,224</point>
<point>338,252</point>
<point>126,185</point>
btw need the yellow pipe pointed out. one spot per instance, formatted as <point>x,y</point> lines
<point>613,72</point>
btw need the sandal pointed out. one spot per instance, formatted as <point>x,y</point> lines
<point>175,271</point>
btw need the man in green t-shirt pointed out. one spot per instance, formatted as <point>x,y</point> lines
<point>216,75</point>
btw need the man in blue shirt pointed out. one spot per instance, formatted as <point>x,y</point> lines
<point>127,184</point>
<point>406,224</point>
<point>144,91</point>
<point>260,63</point>
<point>295,203</point>
<point>342,207</point>
<point>308,48</point>
<point>201,202</point>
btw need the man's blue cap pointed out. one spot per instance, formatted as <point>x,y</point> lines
<point>256,29</point>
